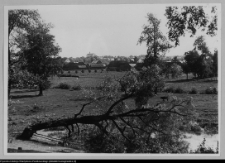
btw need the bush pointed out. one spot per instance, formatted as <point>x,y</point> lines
<point>196,129</point>
<point>76,87</point>
<point>82,71</point>
<point>95,70</point>
<point>215,91</point>
<point>169,89</point>
<point>179,90</point>
<point>63,86</point>
<point>193,91</point>
<point>211,90</point>
<point>89,71</point>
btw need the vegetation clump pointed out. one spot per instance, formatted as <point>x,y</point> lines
<point>63,86</point>
<point>169,89</point>
<point>179,90</point>
<point>193,91</point>
<point>76,87</point>
<point>210,90</point>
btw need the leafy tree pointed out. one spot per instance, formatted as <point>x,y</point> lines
<point>41,56</point>
<point>191,58</point>
<point>186,68</point>
<point>200,44</point>
<point>156,42</point>
<point>189,18</point>
<point>205,60</point>
<point>19,23</point>
<point>204,66</point>
<point>91,57</point>
<point>176,70</point>
<point>172,69</point>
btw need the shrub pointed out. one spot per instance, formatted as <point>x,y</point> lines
<point>215,91</point>
<point>196,129</point>
<point>211,90</point>
<point>193,91</point>
<point>95,70</point>
<point>179,90</point>
<point>89,71</point>
<point>169,89</point>
<point>63,86</point>
<point>76,87</point>
<point>76,71</point>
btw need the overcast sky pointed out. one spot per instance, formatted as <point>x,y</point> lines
<point>108,29</point>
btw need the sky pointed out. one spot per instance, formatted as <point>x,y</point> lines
<point>108,29</point>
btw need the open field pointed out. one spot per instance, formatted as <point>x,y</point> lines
<point>93,79</point>
<point>26,106</point>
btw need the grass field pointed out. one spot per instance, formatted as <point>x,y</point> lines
<point>26,106</point>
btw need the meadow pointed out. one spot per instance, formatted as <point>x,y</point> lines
<point>25,105</point>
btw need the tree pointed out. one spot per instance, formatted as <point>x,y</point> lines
<point>189,18</point>
<point>200,44</point>
<point>156,42</point>
<point>186,69</point>
<point>191,58</point>
<point>143,128</point>
<point>91,57</point>
<point>176,70</point>
<point>19,23</point>
<point>215,63</point>
<point>41,56</point>
<point>204,62</point>
<point>172,69</point>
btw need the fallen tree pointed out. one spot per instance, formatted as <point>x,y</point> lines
<point>108,116</point>
<point>161,121</point>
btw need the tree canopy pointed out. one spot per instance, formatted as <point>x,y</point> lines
<point>31,46</point>
<point>156,42</point>
<point>190,18</point>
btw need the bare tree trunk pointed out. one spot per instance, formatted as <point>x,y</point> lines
<point>40,90</point>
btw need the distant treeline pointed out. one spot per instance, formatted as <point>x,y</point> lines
<point>112,66</point>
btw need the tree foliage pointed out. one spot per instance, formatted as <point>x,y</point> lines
<point>19,23</point>
<point>31,47</point>
<point>200,64</point>
<point>41,56</point>
<point>190,18</point>
<point>156,42</point>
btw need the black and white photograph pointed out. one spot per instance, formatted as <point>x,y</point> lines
<point>113,79</point>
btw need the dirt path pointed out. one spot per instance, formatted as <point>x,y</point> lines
<point>39,144</point>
